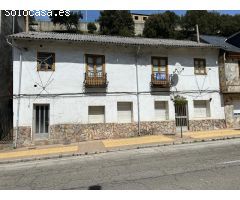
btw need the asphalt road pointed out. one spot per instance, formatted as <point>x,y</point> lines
<point>207,165</point>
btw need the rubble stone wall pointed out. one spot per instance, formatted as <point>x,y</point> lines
<point>206,124</point>
<point>70,133</point>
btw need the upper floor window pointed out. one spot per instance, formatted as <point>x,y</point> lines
<point>136,17</point>
<point>95,65</point>
<point>159,68</point>
<point>46,61</point>
<point>200,66</point>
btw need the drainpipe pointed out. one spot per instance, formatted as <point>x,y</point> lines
<point>138,107</point>
<point>18,105</point>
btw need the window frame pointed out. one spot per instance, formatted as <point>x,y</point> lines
<point>199,67</point>
<point>95,56</point>
<point>208,109</point>
<point>131,109</point>
<point>39,66</point>
<point>166,107</point>
<point>104,114</point>
<point>159,65</point>
<point>39,135</point>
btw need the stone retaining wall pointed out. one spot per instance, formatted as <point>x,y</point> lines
<point>70,133</point>
<point>207,124</point>
<point>85,132</point>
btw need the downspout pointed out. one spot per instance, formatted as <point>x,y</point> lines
<point>19,92</point>
<point>138,107</point>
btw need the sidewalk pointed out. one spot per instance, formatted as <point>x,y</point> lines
<point>100,146</point>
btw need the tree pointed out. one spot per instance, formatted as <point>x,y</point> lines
<point>116,22</point>
<point>70,21</point>
<point>208,22</point>
<point>91,27</point>
<point>229,24</point>
<point>161,25</point>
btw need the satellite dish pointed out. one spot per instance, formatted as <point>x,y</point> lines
<point>174,79</point>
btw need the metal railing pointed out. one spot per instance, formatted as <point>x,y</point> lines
<point>159,83</point>
<point>97,79</point>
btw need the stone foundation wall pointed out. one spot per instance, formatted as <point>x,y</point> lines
<point>85,132</point>
<point>24,136</point>
<point>70,133</point>
<point>231,120</point>
<point>207,124</point>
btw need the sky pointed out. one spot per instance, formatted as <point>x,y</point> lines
<point>92,15</point>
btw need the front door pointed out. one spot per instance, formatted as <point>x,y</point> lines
<point>41,120</point>
<point>181,117</point>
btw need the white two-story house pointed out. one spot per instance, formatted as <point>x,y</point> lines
<point>72,87</point>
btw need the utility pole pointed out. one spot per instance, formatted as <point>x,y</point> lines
<point>197,30</point>
<point>27,23</point>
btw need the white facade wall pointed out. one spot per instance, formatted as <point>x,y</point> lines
<point>68,77</point>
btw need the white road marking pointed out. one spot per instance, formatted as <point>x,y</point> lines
<point>229,162</point>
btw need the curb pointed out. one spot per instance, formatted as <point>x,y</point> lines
<point>114,150</point>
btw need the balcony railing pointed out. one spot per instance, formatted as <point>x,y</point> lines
<point>160,82</point>
<point>93,79</point>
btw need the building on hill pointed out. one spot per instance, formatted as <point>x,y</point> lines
<point>48,26</point>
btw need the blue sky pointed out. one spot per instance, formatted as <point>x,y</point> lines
<point>92,15</point>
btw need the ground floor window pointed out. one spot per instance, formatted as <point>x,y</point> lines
<point>201,108</point>
<point>161,110</point>
<point>124,110</point>
<point>96,114</point>
<point>41,119</point>
<point>236,108</point>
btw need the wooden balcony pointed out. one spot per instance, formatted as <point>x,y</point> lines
<point>159,83</point>
<point>95,80</point>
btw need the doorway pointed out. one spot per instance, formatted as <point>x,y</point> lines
<point>41,121</point>
<point>181,117</point>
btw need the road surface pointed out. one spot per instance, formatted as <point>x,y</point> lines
<point>206,165</point>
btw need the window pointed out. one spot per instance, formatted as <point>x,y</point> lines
<point>236,108</point>
<point>96,114</point>
<point>199,66</point>
<point>144,18</point>
<point>41,119</point>
<point>95,65</point>
<point>201,108</point>
<point>124,112</point>
<point>159,68</point>
<point>161,110</point>
<point>46,61</point>
<point>136,17</point>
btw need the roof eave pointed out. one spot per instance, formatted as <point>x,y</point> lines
<point>113,43</point>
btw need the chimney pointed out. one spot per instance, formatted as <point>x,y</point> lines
<point>198,39</point>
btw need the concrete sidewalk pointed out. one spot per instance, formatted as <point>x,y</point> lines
<point>99,146</point>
